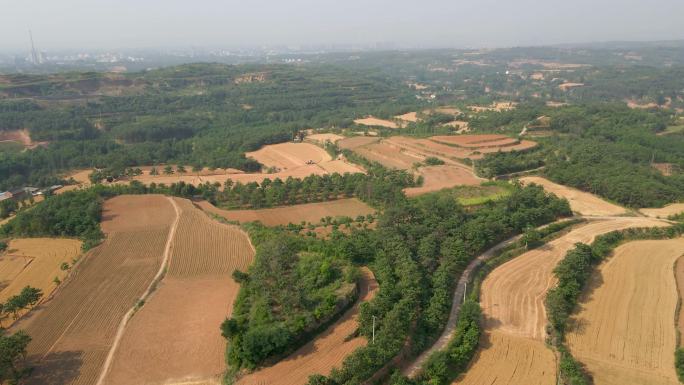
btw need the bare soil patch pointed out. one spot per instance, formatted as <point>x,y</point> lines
<point>666,169</point>
<point>512,300</point>
<point>580,201</point>
<point>73,332</point>
<point>307,212</point>
<point>623,332</point>
<point>375,122</point>
<point>319,356</point>
<point>175,336</point>
<point>22,137</point>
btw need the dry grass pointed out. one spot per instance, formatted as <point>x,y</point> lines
<point>308,212</point>
<point>175,337</point>
<point>512,300</point>
<point>72,333</point>
<point>356,141</point>
<point>624,333</point>
<point>580,201</point>
<point>319,356</point>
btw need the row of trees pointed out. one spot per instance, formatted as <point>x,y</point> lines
<point>27,298</point>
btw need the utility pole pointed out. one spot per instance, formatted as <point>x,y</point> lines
<point>373,330</point>
<point>465,290</point>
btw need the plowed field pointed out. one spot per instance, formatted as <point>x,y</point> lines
<point>328,350</point>
<point>175,336</point>
<point>512,300</point>
<point>308,212</point>
<point>580,201</point>
<point>624,332</point>
<point>73,332</point>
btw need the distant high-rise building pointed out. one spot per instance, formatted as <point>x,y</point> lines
<point>36,57</point>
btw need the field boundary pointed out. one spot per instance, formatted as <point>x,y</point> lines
<point>157,278</point>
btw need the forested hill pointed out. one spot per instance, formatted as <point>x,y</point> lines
<point>199,114</point>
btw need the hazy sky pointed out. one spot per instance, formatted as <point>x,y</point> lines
<point>76,24</point>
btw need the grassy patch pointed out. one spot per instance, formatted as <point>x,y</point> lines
<point>478,195</point>
<point>11,147</point>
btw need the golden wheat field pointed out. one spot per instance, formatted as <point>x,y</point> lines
<point>512,300</point>
<point>35,262</point>
<point>624,332</point>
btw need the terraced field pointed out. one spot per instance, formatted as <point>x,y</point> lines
<point>512,299</point>
<point>322,354</point>
<point>624,333</point>
<point>73,332</point>
<point>194,297</point>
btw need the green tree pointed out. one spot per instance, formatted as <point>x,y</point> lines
<point>13,357</point>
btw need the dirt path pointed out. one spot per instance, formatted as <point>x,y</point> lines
<point>328,350</point>
<point>623,333</point>
<point>512,301</point>
<point>122,326</point>
<point>414,368</point>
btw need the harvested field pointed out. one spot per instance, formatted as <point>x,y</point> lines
<point>175,337</point>
<point>623,333</point>
<point>556,104</point>
<point>307,212</point>
<point>319,356</point>
<point>664,212</point>
<point>356,141</point>
<point>474,146</point>
<point>667,169</point>
<point>287,156</point>
<point>436,178</point>
<point>498,106</point>
<point>322,138</point>
<point>512,300</point>
<point>580,201</point>
<point>375,122</point>
<point>35,262</point>
<point>408,117</point>
<point>73,332</point>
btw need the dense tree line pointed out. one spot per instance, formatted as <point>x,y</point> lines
<point>72,214</point>
<point>164,120</point>
<point>293,286</point>
<point>417,252</point>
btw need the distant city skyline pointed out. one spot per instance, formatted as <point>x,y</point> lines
<point>127,24</point>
